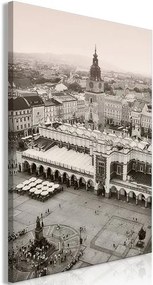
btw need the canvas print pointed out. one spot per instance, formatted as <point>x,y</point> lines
<point>80,141</point>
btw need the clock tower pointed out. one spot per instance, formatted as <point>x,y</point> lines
<point>94,96</point>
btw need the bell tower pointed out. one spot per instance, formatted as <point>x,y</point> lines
<point>94,82</point>
<point>94,96</point>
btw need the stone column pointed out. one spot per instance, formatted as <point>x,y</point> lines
<point>45,173</point>
<point>146,203</point>
<point>31,169</point>
<point>54,176</point>
<point>136,200</point>
<point>124,171</point>
<point>118,195</point>
<point>127,197</point>
<point>86,186</point>
<point>38,170</point>
<point>107,193</point>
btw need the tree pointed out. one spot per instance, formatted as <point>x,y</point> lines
<point>136,89</point>
<point>75,87</point>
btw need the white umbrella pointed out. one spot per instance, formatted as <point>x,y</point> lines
<point>32,190</point>
<point>56,185</point>
<point>44,183</point>
<point>32,179</point>
<point>39,186</point>
<point>50,190</point>
<point>44,193</point>
<point>32,184</point>
<point>50,184</point>
<point>38,181</point>
<point>26,182</point>
<point>44,188</point>
<point>38,191</point>
<point>19,186</point>
<point>26,188</point>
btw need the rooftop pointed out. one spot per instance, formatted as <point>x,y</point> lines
<point>33,99</point>
<point>140,178</point>
<point>63,97</point>
<point>62,156</point>
<point>17,103</point>
<point>51,102</point>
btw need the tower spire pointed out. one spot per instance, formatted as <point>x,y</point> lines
<point>95,49</point>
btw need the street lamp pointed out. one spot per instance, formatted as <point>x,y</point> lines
<point>80,235</point>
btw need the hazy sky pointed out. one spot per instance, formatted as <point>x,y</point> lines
<point>39,29</point>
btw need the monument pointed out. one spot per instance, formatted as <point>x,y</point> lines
<point>38,231</point>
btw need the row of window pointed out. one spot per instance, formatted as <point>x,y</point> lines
<point>52,108</point>
<point>141,169</point>
<point>113,105</point>
<point>20,112</point>
<point>25,126</point>
<point>146,120</point>
<point>22,119</point>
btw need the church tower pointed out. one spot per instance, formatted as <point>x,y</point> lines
<point>94,96</point>
<point>94,82</point>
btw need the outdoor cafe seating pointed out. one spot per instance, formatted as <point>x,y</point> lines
<point>38,189</point>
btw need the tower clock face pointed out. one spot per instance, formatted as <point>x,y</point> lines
<point>100,85</point>
<point>91,84</point>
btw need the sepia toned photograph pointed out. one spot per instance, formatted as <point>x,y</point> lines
<point>79,141</point>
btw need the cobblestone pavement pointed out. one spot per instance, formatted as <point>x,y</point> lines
<point>110,226</point>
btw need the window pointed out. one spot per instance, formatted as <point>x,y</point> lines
<point>118,169</point>
<point>17,127</point>
<point>28,125</point>
<point>149,170</point>
<point>25,126</point>
<point>21,127</point>
<point>16,120</point>
<point>23,112</point>
<point>141,168</point>
<point>24,118</point>
<point>90,100</point>
<point>101,168</point>
<point>133,166</point>
<point>20,119</point>
<point>16,113</point>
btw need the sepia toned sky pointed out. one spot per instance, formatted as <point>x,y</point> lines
<point>44,30</point>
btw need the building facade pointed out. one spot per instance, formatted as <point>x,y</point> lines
<point>19,116</point>
<point>113,110</point>
<point>69,105</point>
<point>110,165</point>
<point>53,110</point>
<point>37,109</point>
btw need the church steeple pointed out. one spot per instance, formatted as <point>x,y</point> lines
<point>95,72</point>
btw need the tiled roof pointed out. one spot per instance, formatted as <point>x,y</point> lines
<point>18,103</point>
<point>138,106</point>
<point>33,100</point>
<point>52,102</point>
